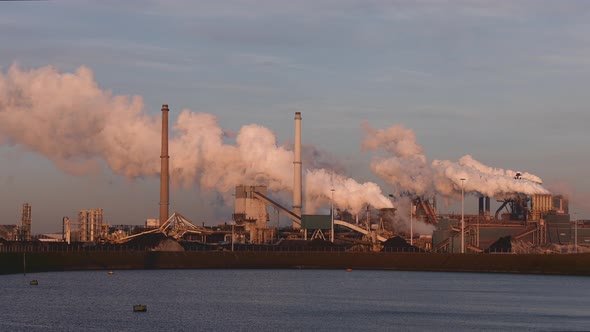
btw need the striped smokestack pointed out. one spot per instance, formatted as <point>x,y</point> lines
<point>297,184</point>
<point>164,158</point>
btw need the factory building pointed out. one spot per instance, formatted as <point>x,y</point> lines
<point>91,225</point>
<point>536,219</point>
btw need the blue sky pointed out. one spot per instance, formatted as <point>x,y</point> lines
<point>503,81</point>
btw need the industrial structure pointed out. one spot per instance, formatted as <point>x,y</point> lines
<point>164,172</point>
<point>535,219</point>
<point>538,219</point>
<point>297,166</point>
<point>251,214</point>
<point>24,232</point>
<point>90,225</point>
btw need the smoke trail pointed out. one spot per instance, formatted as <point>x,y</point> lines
<point>403,165</point>
<point>68,119</point>
<point>468,161</point>
<point>481,179</point>
<point>71,121</point>
<point>348,194</point>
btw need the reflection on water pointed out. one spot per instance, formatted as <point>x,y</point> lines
<point>292,300</point>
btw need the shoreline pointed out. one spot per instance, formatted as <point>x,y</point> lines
<point>550,264</point>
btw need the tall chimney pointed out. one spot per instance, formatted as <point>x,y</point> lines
<point>297,185</point>
<point>481,207</point>
<point>487,208</point>
<point>164,158</point>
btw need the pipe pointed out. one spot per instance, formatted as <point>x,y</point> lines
<point>297,183</point>
<point>164,174</point>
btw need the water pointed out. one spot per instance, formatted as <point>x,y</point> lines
<point>292,300</point>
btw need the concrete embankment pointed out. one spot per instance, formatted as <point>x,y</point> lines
<point>572,264</point>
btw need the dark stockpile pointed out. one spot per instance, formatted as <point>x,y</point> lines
<point>313,245</point>
<point>503,244</point>
<point>398,244</point>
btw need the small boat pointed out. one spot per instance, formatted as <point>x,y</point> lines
<point>139,308</point>
<point>110,272</point>
<point>349,270</point>
<point>34,282</point>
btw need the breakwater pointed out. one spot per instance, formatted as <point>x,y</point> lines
<point>569,264</point>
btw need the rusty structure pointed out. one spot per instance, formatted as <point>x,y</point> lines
<point>537,220</point>
<point>24,232</point>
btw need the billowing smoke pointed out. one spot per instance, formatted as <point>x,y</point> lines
<point>67,118</point>
<point>71,121</point>
<point>402,164</point>
<point>200,155</point>
<point>400,221</point>
<point>481,179</point>
<point>348,194</point>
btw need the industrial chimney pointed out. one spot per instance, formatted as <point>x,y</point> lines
<point>481,210</point>
<point>297,184</point>
<point>164,158</point>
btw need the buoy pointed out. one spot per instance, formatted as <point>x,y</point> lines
<point>139,308</point>
<point>34,282</point>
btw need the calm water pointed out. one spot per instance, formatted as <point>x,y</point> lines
<point>292,300</point>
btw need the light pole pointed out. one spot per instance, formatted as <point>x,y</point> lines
<point>462,216</point>
<point>575,234</point>
<point>411,222</point>
<point>332,215</point>
<point>278,222</point>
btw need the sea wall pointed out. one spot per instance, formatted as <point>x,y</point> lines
<point>571,264</point>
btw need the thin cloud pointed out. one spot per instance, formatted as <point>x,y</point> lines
<point>579,60</point>
<point>251,59</point>
<point>123,52</point>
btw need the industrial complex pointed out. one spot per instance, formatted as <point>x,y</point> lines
<point>523,223</point>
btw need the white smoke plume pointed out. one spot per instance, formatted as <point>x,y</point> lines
<point>70,120</point>
<point>402,223</point>
<point>403,165</point>
<point>402,162</point>
<point>348,194</point>
<point>492,182</point>
<point>468,161</point>
<point>200,155</point>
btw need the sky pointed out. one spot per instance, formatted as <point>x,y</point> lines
<point>391,93</point>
